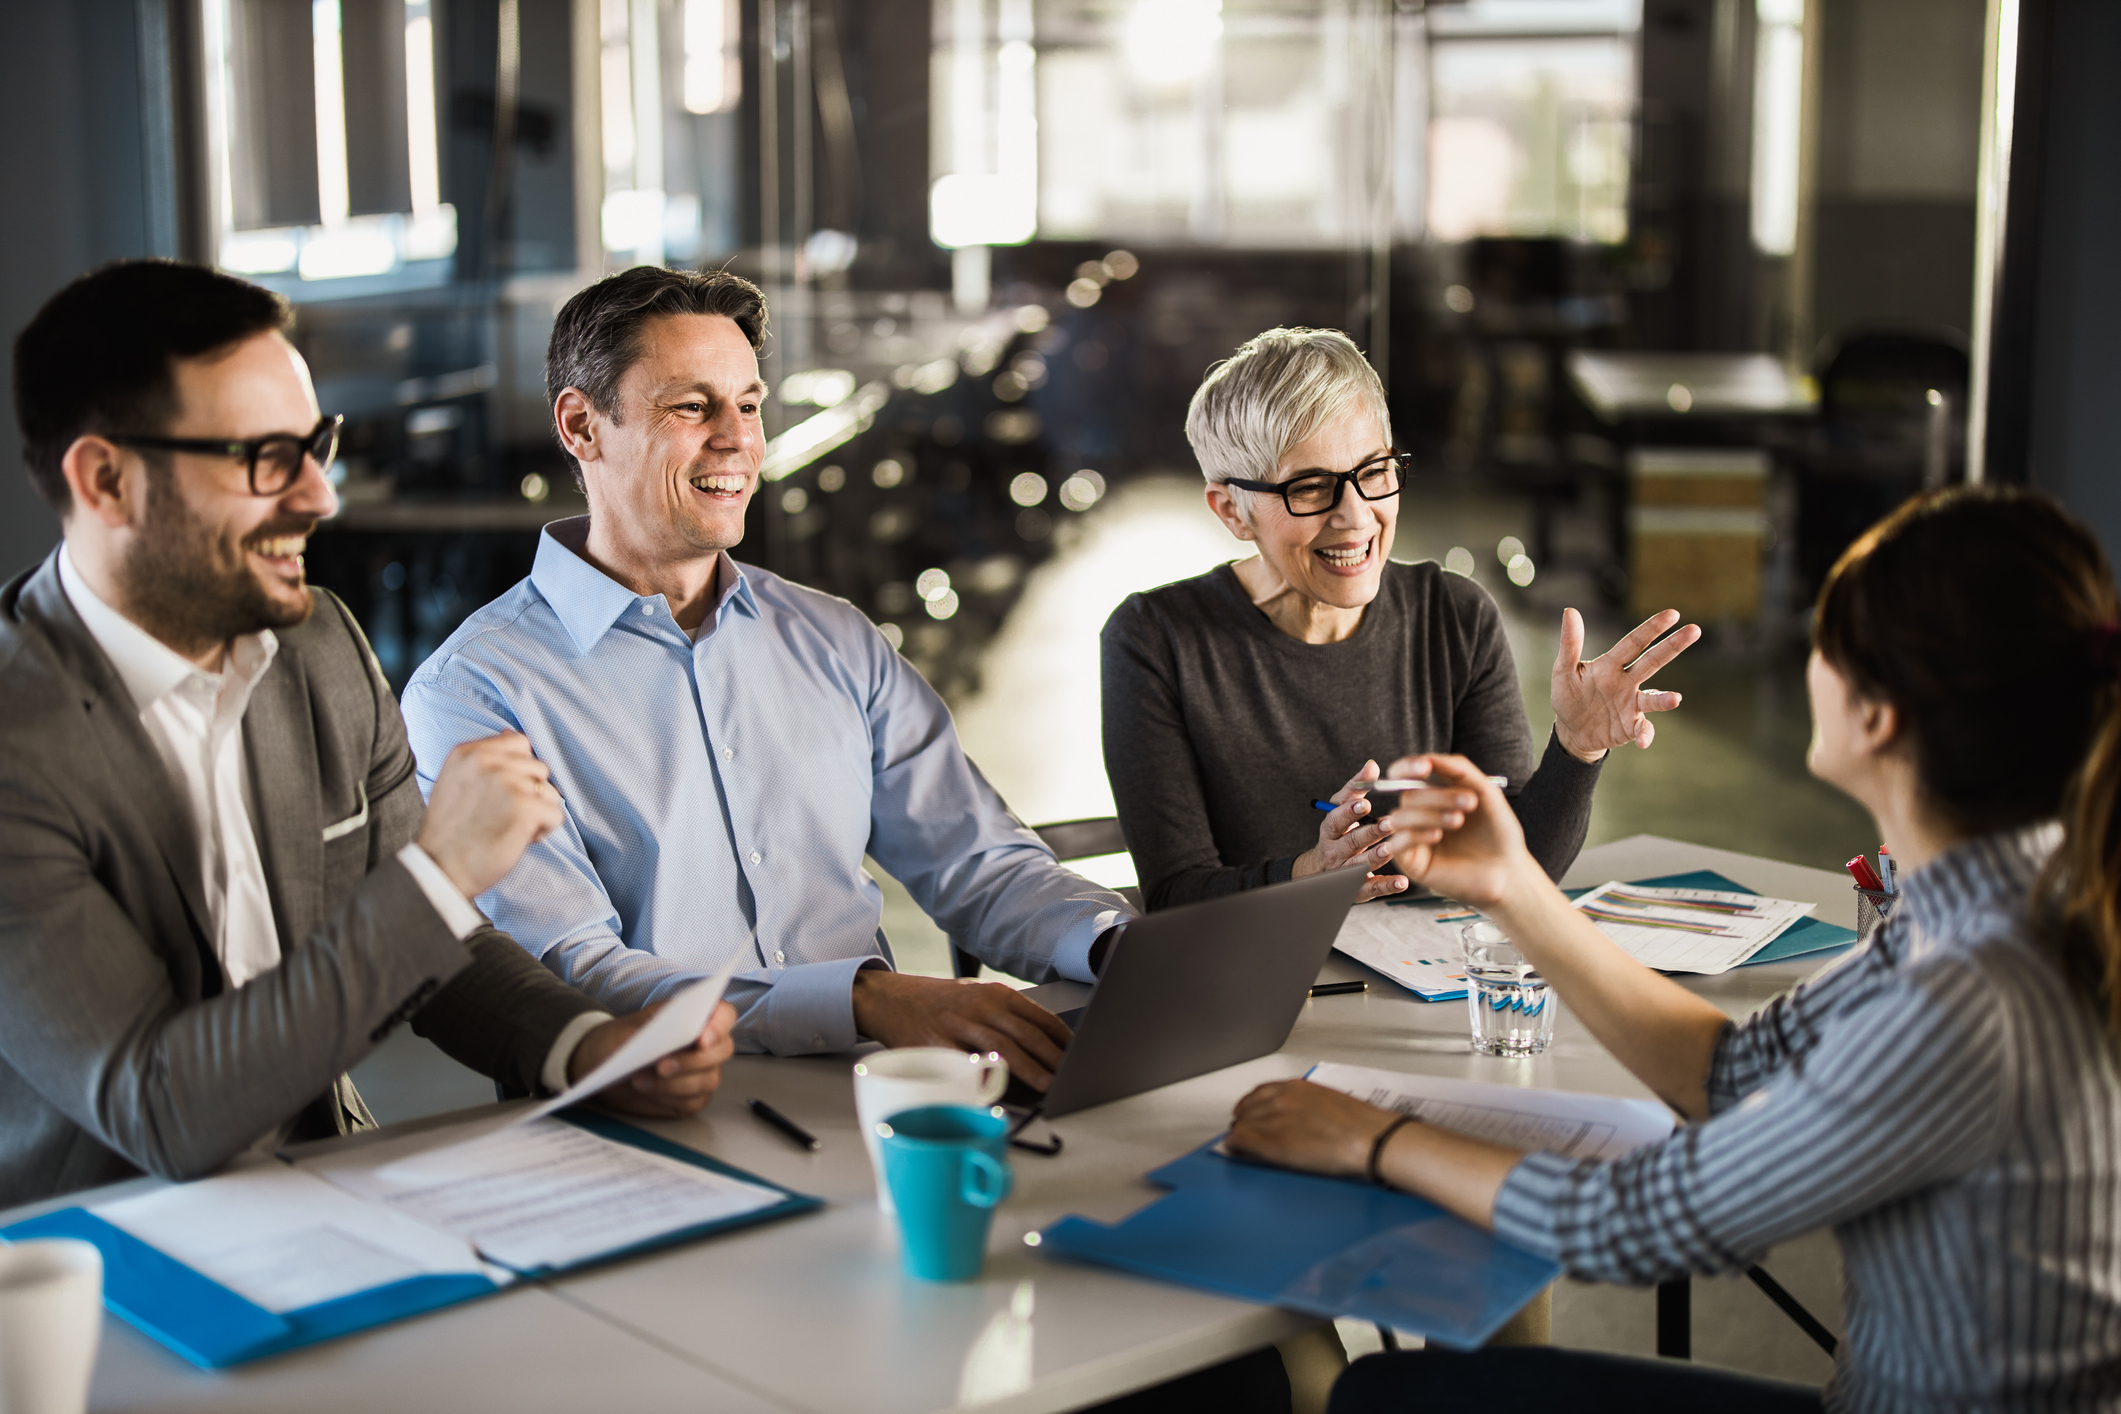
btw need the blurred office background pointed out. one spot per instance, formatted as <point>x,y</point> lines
<point>1672,297</point>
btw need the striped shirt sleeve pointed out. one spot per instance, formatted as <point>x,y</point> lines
<point>1905,1088</point>
<point>1782,1033</point>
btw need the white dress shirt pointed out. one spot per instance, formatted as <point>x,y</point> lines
<point>195,720</point>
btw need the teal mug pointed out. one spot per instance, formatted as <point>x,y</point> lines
<point>947,1168</point>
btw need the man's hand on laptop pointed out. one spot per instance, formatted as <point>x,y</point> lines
<point>675,1087</point>
<point>902,1010</point>
<point>493,800</point>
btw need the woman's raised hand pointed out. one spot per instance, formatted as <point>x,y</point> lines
<point>1460,837</point>
<point>1345,841</point>
<point>1604,703</point>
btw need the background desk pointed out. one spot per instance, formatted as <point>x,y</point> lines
<point>813,1315</point>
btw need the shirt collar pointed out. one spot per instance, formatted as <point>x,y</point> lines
<point>588,602</point>
<point>150,668</point>
<point>1990,872</point>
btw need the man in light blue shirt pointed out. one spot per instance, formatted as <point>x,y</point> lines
<point>729,744</point>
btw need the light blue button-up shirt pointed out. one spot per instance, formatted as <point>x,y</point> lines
<point>720,795</point>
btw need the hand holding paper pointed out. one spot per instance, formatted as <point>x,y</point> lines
<point>663,1061</point>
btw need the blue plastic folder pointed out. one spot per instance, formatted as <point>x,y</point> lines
<point>1323,1246</point>
<point>212,1326</point>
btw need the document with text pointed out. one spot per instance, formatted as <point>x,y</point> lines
<point>285,1240</point>
<point>1689,930</point>
<point>1415,944</point>
<point>1573,1126</point>
<point>542,1194</point>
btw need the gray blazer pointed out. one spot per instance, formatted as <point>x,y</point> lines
<point>120,1047</point>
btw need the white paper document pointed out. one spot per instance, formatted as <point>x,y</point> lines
<point>1689,930</point>
<point>541,1194</point>
<point>284,1239</point>
<point>1573,1126</point>
<point>1415,944</point>
<point>673,1028</point>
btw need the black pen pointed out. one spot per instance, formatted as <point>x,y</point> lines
<point>784,1124</point>
<point>1335,989</point>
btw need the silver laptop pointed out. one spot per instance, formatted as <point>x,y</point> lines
<point>1194,989</point>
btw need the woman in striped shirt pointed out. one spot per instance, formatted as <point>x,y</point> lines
<point>1947,1097</point>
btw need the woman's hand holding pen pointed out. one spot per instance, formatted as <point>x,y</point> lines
<point>1460,837</point>
<point>1346,841</point>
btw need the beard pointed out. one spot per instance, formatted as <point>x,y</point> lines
<point>191,584</point>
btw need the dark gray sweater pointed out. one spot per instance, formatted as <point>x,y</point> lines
<point>1220,729</point>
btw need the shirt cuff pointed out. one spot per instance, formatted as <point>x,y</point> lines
<point>554,1076</point>
<point>456,910</point>
<point>1072,958</point>
<point>1558,755</point>
<point>1531,1205</point>
<point>808,1009</point>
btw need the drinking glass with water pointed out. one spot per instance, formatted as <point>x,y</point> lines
<point>1513,1008</point>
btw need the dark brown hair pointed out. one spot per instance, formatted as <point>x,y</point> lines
<point>99,356</point>
<point>597,336</point>
<point>1988,617</point>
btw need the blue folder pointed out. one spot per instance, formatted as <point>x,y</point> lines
<point>1323,1246</point>
<point>213,1327</point>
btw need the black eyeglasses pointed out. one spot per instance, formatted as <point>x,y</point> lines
<point>274,461</point>
<point>1315,493</point>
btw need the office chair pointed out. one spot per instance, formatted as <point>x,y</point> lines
<point>1068,839</point>
<point>1892,417</point>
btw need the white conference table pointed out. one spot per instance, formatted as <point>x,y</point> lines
<point>813,1314</point>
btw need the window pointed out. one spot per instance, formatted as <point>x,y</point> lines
<point>325,164</point>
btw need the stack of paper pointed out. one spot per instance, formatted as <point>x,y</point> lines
<point>1573,1126</point>
<point>1415,944</point>
<point>1689,930</point>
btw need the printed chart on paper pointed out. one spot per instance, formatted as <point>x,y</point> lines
<point>1689,930</point>
<point>1415,944</point>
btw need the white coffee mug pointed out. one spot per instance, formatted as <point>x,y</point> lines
<point>51,1313</point>
<point>906,1079</point>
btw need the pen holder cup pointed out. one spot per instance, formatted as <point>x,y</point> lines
<point>1872,908</point>
<point>948,1168</point>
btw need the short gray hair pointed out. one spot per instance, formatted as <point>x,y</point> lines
<point>1275,391</point>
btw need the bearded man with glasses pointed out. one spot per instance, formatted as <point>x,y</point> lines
<point>219,887</point>
<point>1243,707</point>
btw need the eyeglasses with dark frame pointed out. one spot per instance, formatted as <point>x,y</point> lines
<point>274,461</point>
<point>1316,493</point>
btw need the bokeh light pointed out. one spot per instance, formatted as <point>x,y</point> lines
<point>943,605</point>
<point>1027,488</point>
<point>831,478</point>
<point>1459,560</point>
<point>932,584</point>
<point>1520,570</point>
<point>888,473</point>
<point>1084,293</point>
<point>893,635</point>
<point>1082,491</point>
<point>1507,549</point>
<point>795,500</point>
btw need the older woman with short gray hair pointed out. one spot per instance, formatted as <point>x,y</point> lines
<point>1239,703</point>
